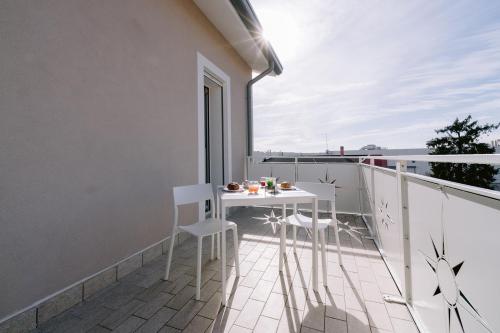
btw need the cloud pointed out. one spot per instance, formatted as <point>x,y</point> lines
<point>387,73</point>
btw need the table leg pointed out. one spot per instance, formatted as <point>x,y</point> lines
<point>282,239</point>
<point>315,244</point>
<point>218,234</point>
<point>223,251</point>
<point>217,206</point>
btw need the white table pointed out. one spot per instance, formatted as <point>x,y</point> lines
<point>225,200</point>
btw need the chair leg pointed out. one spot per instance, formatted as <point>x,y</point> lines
<point>295,239</point>
<point>218,245</point>
<point>323,255</point>
<point>282,246</point>
<point>212,248</point>
<point>169,256</point>
<point>198,269</point>
<point>236,252</point>
<point>337,240</point>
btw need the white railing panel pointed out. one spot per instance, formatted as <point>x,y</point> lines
<point>345,176</point>
<point>468,225</point>
<point>257,170</point>
<point>387,221</point>
<point>385,226</point>
<point>285,172</point>
<point>366,198</point>
<point>347,180</point>
<point>307,172</point>
<point>347,200</point>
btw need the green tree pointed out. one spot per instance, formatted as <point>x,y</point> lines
<point>462,137</point>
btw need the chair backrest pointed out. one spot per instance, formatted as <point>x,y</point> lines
<point>184,195</point>
<point>324,192</point>
<point>189,194</point>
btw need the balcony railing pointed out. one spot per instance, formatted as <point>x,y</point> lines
<point>439,238</point>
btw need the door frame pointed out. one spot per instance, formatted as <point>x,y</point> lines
<point>205,66</point>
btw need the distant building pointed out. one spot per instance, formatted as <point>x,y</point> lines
<point>352,156</point>
<point>419,167</point>
<point>422,168</point>
<point>495,143</point>
<point>371,147</point>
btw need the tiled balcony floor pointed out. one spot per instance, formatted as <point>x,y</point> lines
<point>263,301</point>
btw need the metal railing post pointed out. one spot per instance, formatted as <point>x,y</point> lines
<point>360,187</point>
<point>372,196</point>
<point>403,211</point>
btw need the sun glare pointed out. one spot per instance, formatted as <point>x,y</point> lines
<point>282,33</point>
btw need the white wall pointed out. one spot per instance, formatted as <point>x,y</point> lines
<point>98,121</point>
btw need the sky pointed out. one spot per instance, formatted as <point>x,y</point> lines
<point>375,72</point>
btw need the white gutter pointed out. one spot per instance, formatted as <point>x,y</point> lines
<point>250,107</point>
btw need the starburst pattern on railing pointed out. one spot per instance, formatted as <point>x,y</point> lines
<point>447,284</point>
<point>327,179</point>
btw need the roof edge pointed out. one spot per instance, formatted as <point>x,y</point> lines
<point>251,22</point>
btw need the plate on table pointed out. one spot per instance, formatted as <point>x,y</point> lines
<point>291,188</point>
<point>241,189</point>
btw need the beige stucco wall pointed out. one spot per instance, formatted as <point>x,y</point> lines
<point>98,122</point>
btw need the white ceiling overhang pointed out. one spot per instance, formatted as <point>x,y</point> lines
<point>225,18</point>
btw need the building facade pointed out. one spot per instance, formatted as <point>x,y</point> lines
<point>102,113</point>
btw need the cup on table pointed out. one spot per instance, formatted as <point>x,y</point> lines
<point>253,187</point>
<point>271,182</point>
<point>263,181</point>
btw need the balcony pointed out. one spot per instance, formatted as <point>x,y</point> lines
<point>419,254</point>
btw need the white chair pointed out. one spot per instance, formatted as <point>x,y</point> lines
<point>324,192</point>
<point>184,195</point>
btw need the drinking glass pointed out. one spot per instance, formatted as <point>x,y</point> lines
<point>263,181</point>
<point>253,187</point>
<point>271,183</point>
